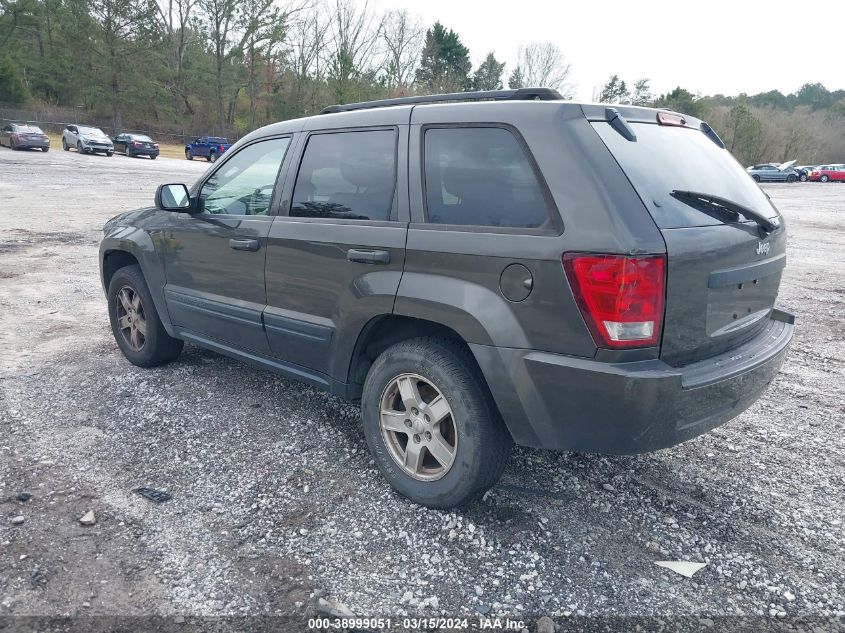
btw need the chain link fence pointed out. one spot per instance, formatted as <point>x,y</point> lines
<point>55,119</point>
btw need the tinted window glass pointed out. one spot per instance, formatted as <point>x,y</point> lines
<point>481,176</point>
<point>665,158</point>
<point>347,175</point>
<point>244,184</point>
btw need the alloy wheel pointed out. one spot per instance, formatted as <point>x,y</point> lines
<point>131,319</point>
<point>418,427</point>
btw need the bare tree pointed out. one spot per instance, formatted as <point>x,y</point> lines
<point>233,27</point>
<point>304,56</point>
<point>543,64</point>
<point>354,34</point>
<point>175,18</point>
<point>402,38</point>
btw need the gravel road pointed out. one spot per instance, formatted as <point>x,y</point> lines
<point>276,504</point>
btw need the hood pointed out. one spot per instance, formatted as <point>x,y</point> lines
<point>129,218</point>
<point>787,165</point>
<point>95,137</point>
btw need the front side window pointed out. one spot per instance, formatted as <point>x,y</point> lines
<point>349,175</point>
<point>244,184</point>
<point>481,176</point>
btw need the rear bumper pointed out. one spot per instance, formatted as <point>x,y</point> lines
<point>142,151</point>
<point>33,144</point>
<point>565,403</point>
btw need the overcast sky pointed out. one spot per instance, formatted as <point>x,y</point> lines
<point>709,47</point>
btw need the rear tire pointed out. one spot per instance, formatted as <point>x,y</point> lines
<point>127,152</point>
<point>45,149</point>
<point>803,178</point>
<point>136,326</point>
<point>472,435</point>
<point>212,157</point>
<point>153,157</point>
<point>756,178</point>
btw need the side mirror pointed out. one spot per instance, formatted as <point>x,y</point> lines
<point>173,197</point>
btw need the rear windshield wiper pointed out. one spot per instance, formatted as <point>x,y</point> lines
<point>734,209</point>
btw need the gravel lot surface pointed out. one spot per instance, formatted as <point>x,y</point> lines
<point>276,503</point>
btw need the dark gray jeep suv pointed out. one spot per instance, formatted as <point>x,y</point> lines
<point>508,268</point>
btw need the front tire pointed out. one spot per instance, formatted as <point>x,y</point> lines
<point>824,178</point>
<point>65,146</point>
<point>136,326</point>
<point>188,155</point>
<point>79,148</point>
<point>431,424</point>
<point>790,178</point>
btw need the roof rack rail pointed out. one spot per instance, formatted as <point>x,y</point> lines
<point>520,94</point>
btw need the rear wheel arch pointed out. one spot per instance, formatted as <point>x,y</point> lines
<point>383,331</point>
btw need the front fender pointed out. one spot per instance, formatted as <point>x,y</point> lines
<point>142,246</point>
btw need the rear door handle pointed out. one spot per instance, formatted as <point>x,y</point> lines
<point>368,257</point>
<point>244,245</point>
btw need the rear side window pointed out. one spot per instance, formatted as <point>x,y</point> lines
<point>481,176</point>
<point>347,175</point>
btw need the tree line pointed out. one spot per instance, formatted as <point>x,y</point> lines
<point>237,64</point>
<point>229,66</point>
<point>807,125</point>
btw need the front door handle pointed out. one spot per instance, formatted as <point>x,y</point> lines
<point>368,257</point>
<point>244,245</point>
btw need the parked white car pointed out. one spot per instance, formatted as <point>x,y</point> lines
<point>86,140</point>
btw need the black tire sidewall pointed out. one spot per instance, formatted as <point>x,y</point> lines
<point>480,430</point>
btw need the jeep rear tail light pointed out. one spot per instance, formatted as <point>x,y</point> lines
<point>155,145</point>
<point>221,148</point>
<point>621,297</point>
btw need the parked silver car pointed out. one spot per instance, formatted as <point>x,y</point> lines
<point>86,140</point>
<point>24,136</point>
<point>773,172</point>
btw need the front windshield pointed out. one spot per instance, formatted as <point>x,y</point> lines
<point>91,131</point>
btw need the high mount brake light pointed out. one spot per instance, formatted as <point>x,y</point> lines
<point>621,297</point>
<point>670,118</point>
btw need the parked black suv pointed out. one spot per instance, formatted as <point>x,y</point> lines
<point>510,268</point>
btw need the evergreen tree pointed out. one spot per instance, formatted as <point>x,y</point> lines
<point>489,74</point>
<point>642,93</point>
<point>445,64</point>
<point>614,91</point>
<point>516,80</point>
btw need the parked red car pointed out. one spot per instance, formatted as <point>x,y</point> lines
<point>826,173</point>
